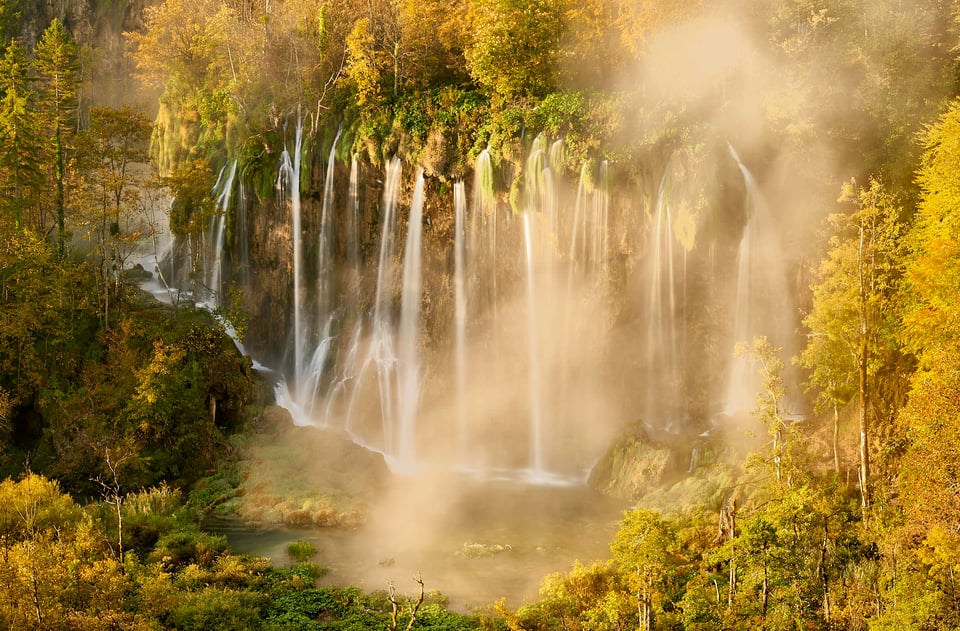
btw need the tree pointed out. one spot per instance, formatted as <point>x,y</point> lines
<point>769,410</point>
<point>58,65</point>
<point>931,331</point>
<point>19,138</point>
<point>114,165</point>
<point>10,14</point>
<point>641,547</point>
<point>853,302</point>
<point>515,45</point>
<point>363,71</point>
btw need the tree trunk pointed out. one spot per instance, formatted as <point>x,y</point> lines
<point>836,437</point>
<point>764,593</point>
<point>864,443</point>
<point>825,577</point>
<point>862,374</point>
<point>59,173</point>
<point>106,299</point>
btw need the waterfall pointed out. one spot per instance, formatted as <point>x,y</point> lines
<point>578,230</point>
<point>288,184</point>
<point>381,346</point>
<point>348,364</point>
<point>217,233</point>
<point>460,314</point>
<point>589,223</point>
<point>739,395</point>
<point>483,236</point>
<point>325,270</point>
<point>243,236</point>
<point>601,220</point>
<point>529,381</point>
<point>763,305</point>
<point>353,231</point>
<point>536,421</point>
<point>663,354</point>
<point>309,383</point>
<point>408,355</point>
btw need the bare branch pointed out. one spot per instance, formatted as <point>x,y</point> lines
<point>412,607</point>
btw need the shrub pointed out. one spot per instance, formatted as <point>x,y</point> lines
<point>301,551</point>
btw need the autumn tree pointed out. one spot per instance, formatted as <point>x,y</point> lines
<point>515,45</point>
<point>363,72</point>
<point>769,410</point>
<point>931,331</point>
<point>114,150</point>
<point>853,303</point>
<point>641,547</point>
<point>592,597</point>
<point>58,66</point>
<point>20,162</point>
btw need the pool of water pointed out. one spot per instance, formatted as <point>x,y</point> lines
<point>422,525</point>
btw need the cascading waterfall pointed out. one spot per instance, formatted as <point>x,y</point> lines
<point>310,386</point>
<point>407,343</point>
<point>460,315</point>
<point>288,185</point>
<point>381,352</point>
<point>662,322</point>
<point>528,374</point>
<point>536,419</point>
<point>601,220</point>
<point>738,395</point>
<point>353,230</point>
<point>217,233</point>
<point>763,305</point>
<point>243,235</point>
<point>589,224</point>
<point>348,363</point>
<point>483,237</point>
<point>338,407</point>
<point>325,271</point>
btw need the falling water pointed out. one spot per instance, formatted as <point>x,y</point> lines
<point>316,369</point>
<point>309,382</point>
<point>381,345</point>
<point>243,235</point>
<point>353,230</point>
<point>483,234</point>
<point>661,347</point>
<point>601,220</point>
<point>459,243</point>
<point>588,229</point>
<point>288,183</point>
<point>738,397</point>
<point>763,305</point>
<point>408,376</point>
<point>366,371</point>
<point>218,232</point>
<point>325,243</point>
<point>578,227</point>
<point>536,422</point>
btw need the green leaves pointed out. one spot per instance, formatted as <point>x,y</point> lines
<point>515,45</point>
<point>20,175</point>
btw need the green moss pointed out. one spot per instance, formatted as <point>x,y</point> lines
<point>631,468</point>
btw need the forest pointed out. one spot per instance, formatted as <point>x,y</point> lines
<point>125,421</point>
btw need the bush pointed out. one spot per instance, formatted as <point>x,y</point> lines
<point>301,551</point>
<point>183,547</point>
<point>214,609</point>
